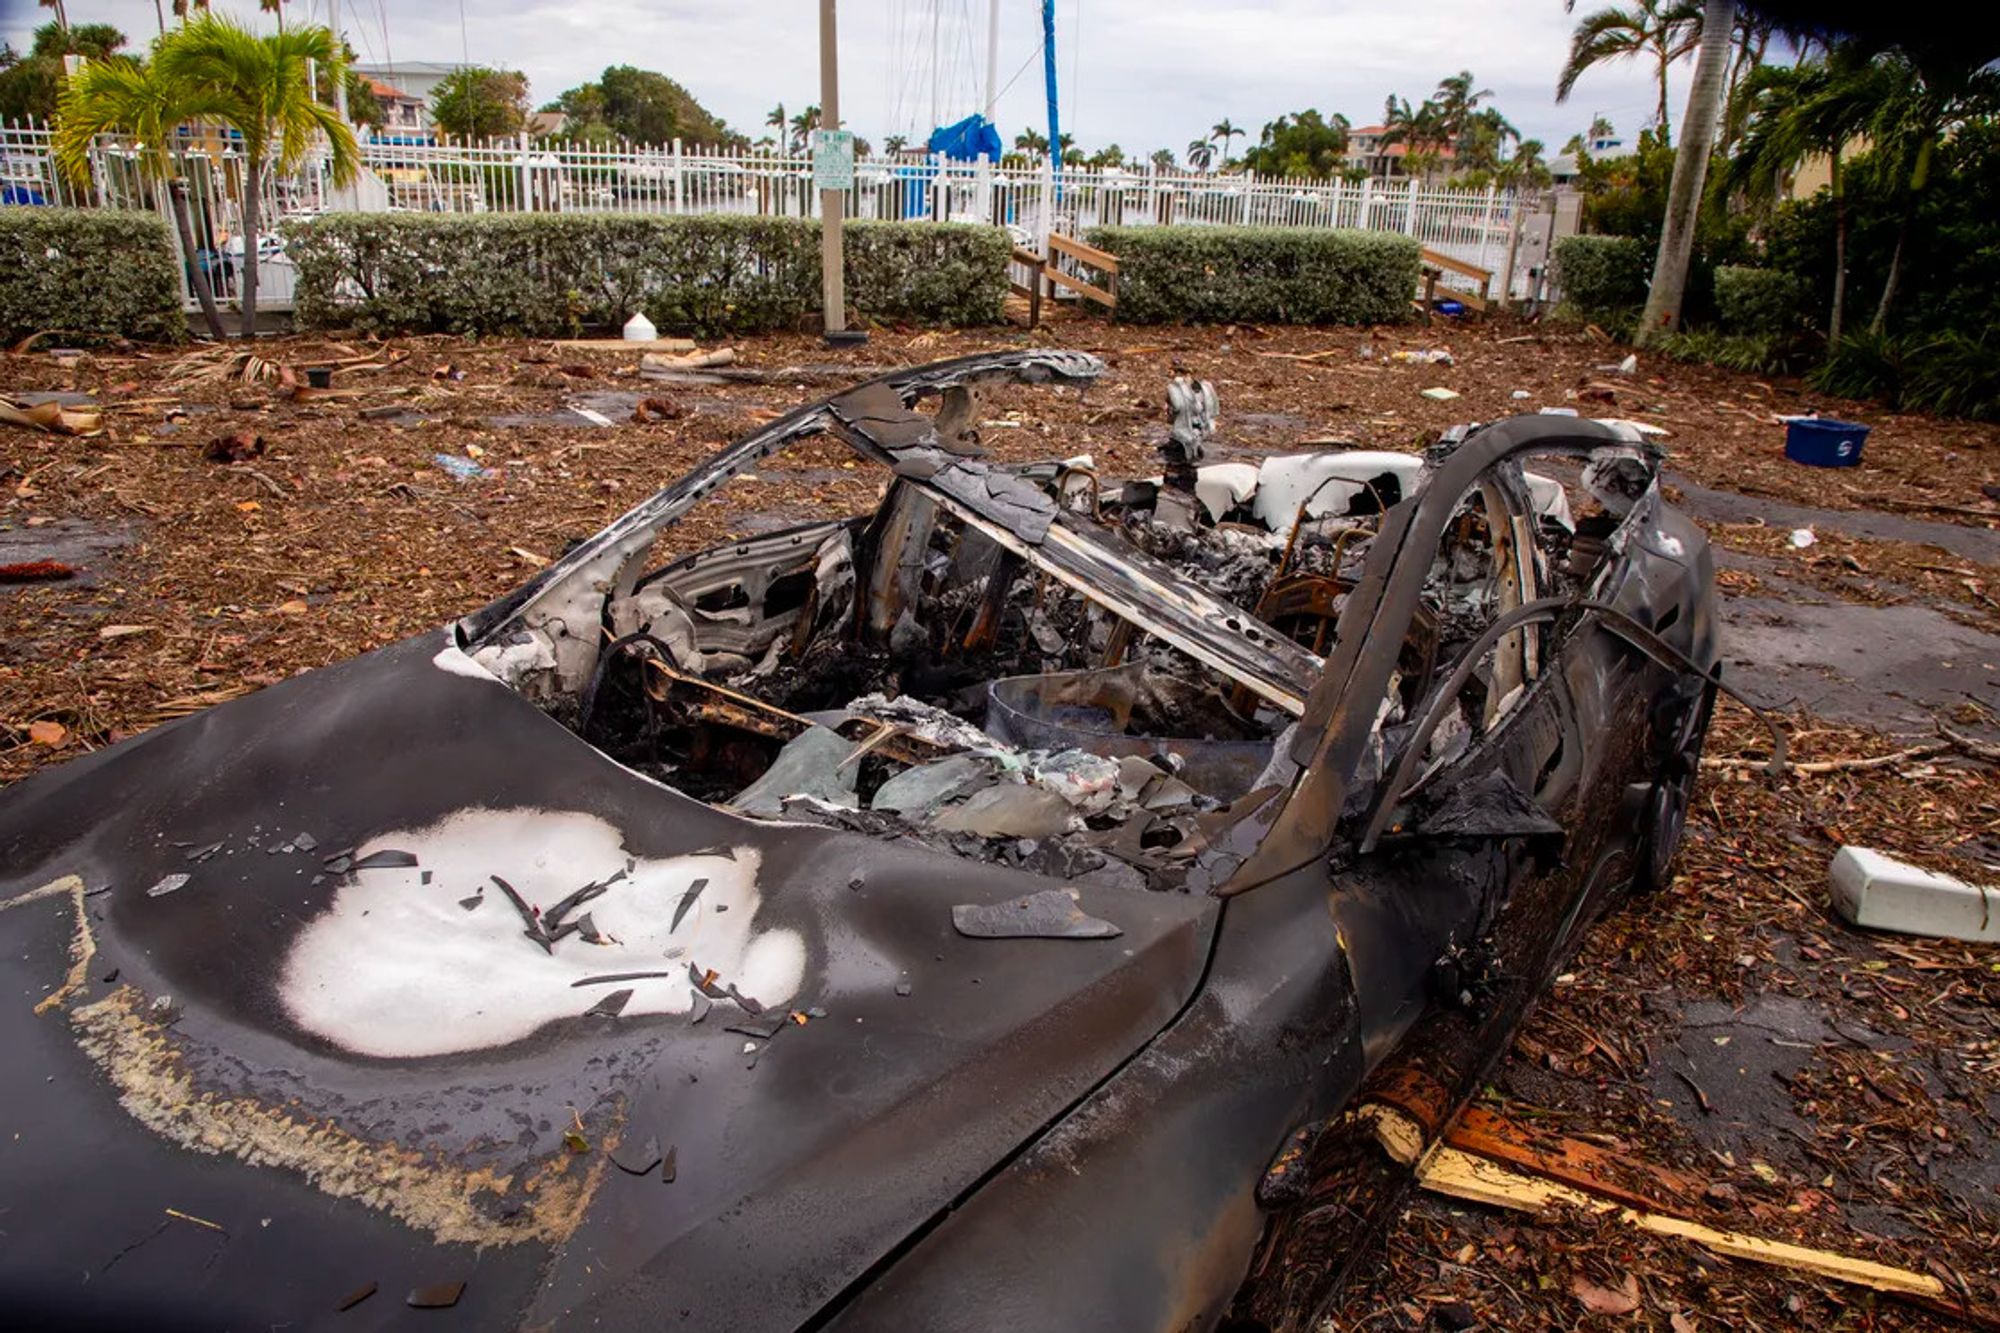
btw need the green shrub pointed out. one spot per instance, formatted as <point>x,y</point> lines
<point>1260,275</point>
<point>552,274</point>
<point>94,272</point>
<point>1950,374</point>
<point>1759,302</point>
<point>1754,353</point>
<point>1603,279</point>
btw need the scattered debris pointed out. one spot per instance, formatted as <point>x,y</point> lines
<point>1048,915</point>
<point>621,345</point>
<point>35,571</point>
<point>47,732</point>
<point>1439,394</point>
<point>201,1222</point>
<point>654,361</point>
<point>168,884</point>
<point>611,1005</point>
<point>388,858</point>
<point>1429,356</point>
<point>50,417</point>
<point>462,468</point>
<point>1605,1300</point>
<point>238,447</point>
<point>438,1296</point>
<point>640,1160</point>
<point>657,409</point>
<point>355,1297</point>
<point>1802,538</point>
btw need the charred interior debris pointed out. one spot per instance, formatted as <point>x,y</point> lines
<point>1029,664</point>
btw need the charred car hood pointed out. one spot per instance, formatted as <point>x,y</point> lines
<point>312,1065</point>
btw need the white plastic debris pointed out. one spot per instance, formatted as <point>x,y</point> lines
<point>1879,892</point>
<point>1803,537</point>
<point>1440,394</point>
<point>639,329</point>
<point>1429,356</point>
<point>1519,394</point>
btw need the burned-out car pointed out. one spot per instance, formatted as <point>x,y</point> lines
<point>964,914</point>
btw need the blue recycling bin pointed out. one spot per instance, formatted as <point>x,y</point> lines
<point>1824,442</point>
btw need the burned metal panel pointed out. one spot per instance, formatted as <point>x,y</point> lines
<point>1341,714</point>
<point>1135,587</point>
<point>1138,1211</point>
<point>257,1081</point>
<point>544,635</point>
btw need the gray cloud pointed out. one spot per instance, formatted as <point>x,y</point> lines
<point>1143,73</point>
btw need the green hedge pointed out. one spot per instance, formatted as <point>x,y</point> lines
<point>94,272</point>
<point>1759,301</point>
<point>1260,275</point>
<point>554,274</point>
<point>1604,279</point>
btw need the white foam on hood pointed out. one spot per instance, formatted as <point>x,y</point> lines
<point>397,968</point>
<point>454,659</point>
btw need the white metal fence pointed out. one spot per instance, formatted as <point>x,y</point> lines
<point>515,176</point>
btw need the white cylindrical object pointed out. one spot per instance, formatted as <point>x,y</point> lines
<point>639,329</point>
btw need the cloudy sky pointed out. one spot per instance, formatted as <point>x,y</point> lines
<point>1142,73</point>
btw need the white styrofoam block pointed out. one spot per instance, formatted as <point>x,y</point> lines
<point>1881,893</point>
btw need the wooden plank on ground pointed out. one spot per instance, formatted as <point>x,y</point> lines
<point>1621,1177</point>
<point>1463,1176</point>
<point>621,345</point>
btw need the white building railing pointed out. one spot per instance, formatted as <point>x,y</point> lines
<point>522,176</point>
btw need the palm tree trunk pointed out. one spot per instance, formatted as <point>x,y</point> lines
<point>252,206</point>
<point>1919,174</point>
<point>1670,269</point>
<point>1666,135</point>
<point>1839,192</point>
<point>177,196</point>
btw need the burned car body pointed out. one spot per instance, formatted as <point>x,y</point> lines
<point>939,917</point>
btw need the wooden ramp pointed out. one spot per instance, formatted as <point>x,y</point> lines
<point>1049,274</point>
<point>1436,264</point>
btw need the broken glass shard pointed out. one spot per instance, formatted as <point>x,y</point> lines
<point>813,764</point>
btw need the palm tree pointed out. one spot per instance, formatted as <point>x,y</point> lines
<point>1033,144</point>
<point>895,144</point>
<point>1456,100</point>
<point>62,15</point>
<point>1665,30</point>
<point>803,125</point>
<point>1418,128</point>
<point>1200,154</point>
<point>1794,112</point>
<point>182,8</point>
<point>776,120</point>
<point>1711,73</point>
<point>1226,131</point>
<point>124,97</point>
<point>261,87</point>
<point>1524,168</point>
<point>1928,99</point>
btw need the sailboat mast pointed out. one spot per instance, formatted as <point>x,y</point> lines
<point>992,57</point>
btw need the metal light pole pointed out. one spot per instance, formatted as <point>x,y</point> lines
<point>339,84</point>
<point>832,203</point>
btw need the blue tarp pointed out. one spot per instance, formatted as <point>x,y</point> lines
<point>967,141</point>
